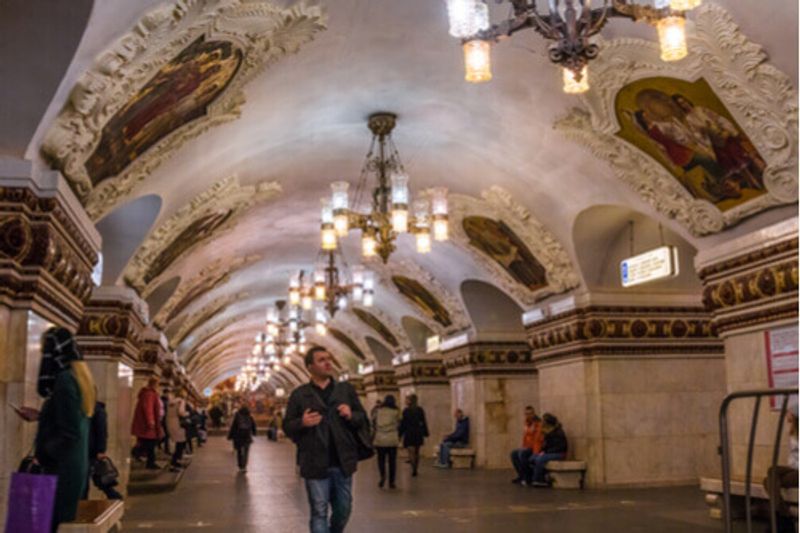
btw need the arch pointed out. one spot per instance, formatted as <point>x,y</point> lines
<point>161,294</point>
<point>602,238</point>
<point>383,355</point>
<point>123,230</point>
<point>417,332</point>
<point>492,311</point>
<point>39,41</point>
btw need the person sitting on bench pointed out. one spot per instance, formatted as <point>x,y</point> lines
<point>532,439</point>
<point>457,439</point>
<point>554,448</point>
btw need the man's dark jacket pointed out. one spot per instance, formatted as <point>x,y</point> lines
<point>312,443</point>
<point>461,433</point>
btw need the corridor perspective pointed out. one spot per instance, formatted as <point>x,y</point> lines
<point>399,265</point>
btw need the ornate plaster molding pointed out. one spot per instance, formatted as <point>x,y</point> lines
<point>489,358</point>
<point>428,371</point>
<point>262,31</point>
<point>207,279</point>
<point>226,199</point>
<point>498,204</point>
<point>760,97</point>
<point>202,316</point>
<point>455,307</point>
<point>357,339</point>
<point>396,329</point>
<point>380,380</point>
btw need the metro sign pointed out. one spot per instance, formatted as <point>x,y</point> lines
<point>650,266</point>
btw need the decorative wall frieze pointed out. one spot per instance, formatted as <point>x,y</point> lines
<point>113,325</point>
<point>46,260</point>
<point>392,331</point>
<point>459,320</point>
<point>755,288</point>
<point>421,372</point>
<point>596,330</point>
<point>349,339</point>
<point>214,275</point>
<point>357,382</point>
<point>759,96</point>
<point>380,381</point>
<point>498,204</point>
<point>205,217</point>
<point>488,358</point>
<point>202,316</point>
<point>127,92</point>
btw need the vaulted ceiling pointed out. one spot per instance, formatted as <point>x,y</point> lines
<point>247,185</point>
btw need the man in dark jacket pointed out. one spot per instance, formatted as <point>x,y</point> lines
<point>243,429</point>
<point>459,438</point>
<point>554,448</point>
<point>321,418</point>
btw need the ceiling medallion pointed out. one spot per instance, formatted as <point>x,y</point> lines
<point>389,214</point>
<point>570,24</point>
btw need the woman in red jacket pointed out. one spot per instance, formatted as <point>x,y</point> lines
<point>146,425</point>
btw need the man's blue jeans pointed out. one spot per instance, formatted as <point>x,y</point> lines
<point>335,490</point>
<point>538,462</point>
<point>520,458</point>
<point>444,451</point>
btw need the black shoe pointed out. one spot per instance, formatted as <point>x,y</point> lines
<point>152,467</point>
<point>392,486</point>
<point>413,473</point>
<point>516,480</point>
<point>381,483</point>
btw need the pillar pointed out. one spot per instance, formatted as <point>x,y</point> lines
<point>357,381</point>
<point>378,382</point>
<point>427,378</point>
<point>110,336</point>
<point>48,248</point>
<point>750,289</point>
<point>636,381</point>
<point>492,382</point>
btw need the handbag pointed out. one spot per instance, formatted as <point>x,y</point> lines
<point>31,500</point>
<point>104,472</point>
<point>29,465</point>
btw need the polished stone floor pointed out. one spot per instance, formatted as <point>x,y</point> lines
<point>213,497</point>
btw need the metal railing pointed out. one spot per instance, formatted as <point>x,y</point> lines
<point>726,457</point>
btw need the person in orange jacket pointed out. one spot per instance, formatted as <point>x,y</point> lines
<point>532,439</point>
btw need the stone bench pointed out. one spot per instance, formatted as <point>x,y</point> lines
<point>566,474</point>
<point>462,458</point>
<point>96,516</point>
<point>713,489</point>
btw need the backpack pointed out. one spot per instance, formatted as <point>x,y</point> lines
<point>243,424</point>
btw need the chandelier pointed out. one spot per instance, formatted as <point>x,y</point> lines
<point>332,287</point>
<point>569,24</point>
<point>389,214</point>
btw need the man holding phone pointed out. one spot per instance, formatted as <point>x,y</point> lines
<point>321,418</point>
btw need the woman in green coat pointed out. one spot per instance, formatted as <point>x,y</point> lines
<point>62,438</point>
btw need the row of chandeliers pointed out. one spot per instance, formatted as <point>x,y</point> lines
<point>332,285</point>
<point>569,24</point>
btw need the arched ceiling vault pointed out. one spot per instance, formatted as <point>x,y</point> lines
<point>300,123</point>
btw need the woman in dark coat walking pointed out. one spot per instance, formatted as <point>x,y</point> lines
<point>62,438</point>
<point>413,430</point>
<point>241,433</point>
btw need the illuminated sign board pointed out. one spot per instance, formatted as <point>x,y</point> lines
<point>650,266</point>
<point>433,343</point>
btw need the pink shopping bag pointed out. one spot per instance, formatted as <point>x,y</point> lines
<point>31,498</point>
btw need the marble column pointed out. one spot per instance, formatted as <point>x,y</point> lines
<point>357,382</point>
<point>48,248</point>
<point>636,380</point>
<point>379,382</point>
<point>492,382</point>
<point>154,349</point>
<point>750,289</point>
<point>427,378</point>
<point>110,336</point>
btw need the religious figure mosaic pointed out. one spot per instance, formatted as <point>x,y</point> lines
<point>423,298</point>
<point>688,130</point>
<point>347,341</point>
<point>179,93</point>
<point>373,322</point>
<point>495,239</point>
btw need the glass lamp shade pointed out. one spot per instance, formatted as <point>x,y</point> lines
<point>369,298</point>
<point>439,201</point>
<point>321,328</point>
<point>441,228</point>
<point>341,224</point>
<point>399,190</point>
<point>294,296</point>
<point>368,245</point>
<point>369,280</point>
<point>339,200</point>
<point>423,241</point>
<point>399,220</point>
<point>574,85</point>
<point>477,61</point>
<point>319,292</point>
<point>307,301</point>
<point>461,14</point>
<point>326,213</point>
<point>358,293</point>
<point>328,237</point>
<point>287,360</point>
<point>672,38</point>
<point>684,5</point>
<point>342,302</point>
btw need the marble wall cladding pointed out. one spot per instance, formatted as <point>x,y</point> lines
<point>638,420</point>
<point>746,369</point>
<point>495,406</point>
<point>435,400</point>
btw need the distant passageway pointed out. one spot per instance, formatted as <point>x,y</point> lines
<point>270,497</point>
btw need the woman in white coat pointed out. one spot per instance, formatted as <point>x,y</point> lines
<point>176,412</point>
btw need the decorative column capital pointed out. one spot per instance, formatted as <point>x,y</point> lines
<point>113,325</point>
<point>356,381</point>
<point>751,282</point>
<point>488,358</point>
<point>380,380</point>
<point>421,372</point>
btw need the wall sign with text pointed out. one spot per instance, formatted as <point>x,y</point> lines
<point>781,351</point>
<point>650,266</point>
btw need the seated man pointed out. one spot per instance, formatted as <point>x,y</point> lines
<point>457,439</point>
<point>554,448</point>
<point>531,444</point>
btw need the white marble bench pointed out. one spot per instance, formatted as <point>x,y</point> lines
<point>463,458</point>
<point>96,516</point>
<point>566,474</point>
<point>713,489</point>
